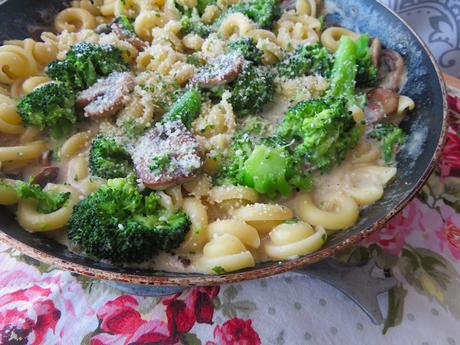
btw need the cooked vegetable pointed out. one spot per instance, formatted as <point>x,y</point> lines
<point>109,159</point>
<point>85,63</point>
<point>306,59</point>
<point>262,12</point>
<point>191,23</point>
<point>121,224</point>
<point>186,108</point>
<point>390,138</point>
<point>49,107</point>
<point>343,75</point>
<point>367,73</point>
<point>245,47</point>
<point>47,201</point>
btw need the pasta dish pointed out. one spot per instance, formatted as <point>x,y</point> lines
<point>197,135</point>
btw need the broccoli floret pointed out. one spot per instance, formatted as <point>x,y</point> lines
<point>109,159</point>
<point>304,60</point>
<point>245,47</point>
<point>191,22</point>
<point>390,137</point>
<point>367,73</point>
<point>186,108</point>
<point>50,107</point>
<point>121,224</point>
<point>251,90</point>
<point>262,12</point>
<point>343,75</point>
<point>324,129</point>
<point>84,63</point>
<point>47,202</point>
<point>265,164</point>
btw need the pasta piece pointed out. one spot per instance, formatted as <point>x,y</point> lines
<point>146,21</point>
<point>170,10</point>
<point>22,152</point>
<point>32,220</point>
<point>32,83</point>
<point>77,169</point>
<point>405,105</point>
<point>210,14</point>
<point>74,20</point>
<point>199,187</point>
<point>220,194</point>
<point>92,6</point>
<point>225,252</point>
<point>10,121</point>
<point>331,36</point>
<point>15,63</point>
<point>338,212</point>
<point>263,217</point>
<point>219,120</point>
<point>235,25</point>
<point>8,195</point>
<point>365,152</point>
<point>266,41</point>
<point>75,144</point>
<point>244,232</point>
<point>365,183</point>
<point>192,41</point>
<point>43,52</point>
<point>108,8</point>
<point>307,7</point>
<point>294,30</point>
<point>196,236</point>
<point>171,198</point>
<point>29,135</point>
<point>212,47</point>
<point>288,241</point>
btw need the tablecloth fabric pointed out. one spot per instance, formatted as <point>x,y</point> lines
<point>421,246</point>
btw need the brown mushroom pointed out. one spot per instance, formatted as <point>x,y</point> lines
<point>107,96</point>
<point>380,103</point>
<point>46,175</point>
<point>219,71</point>
<point>392,70</point>
<point>128,36</point>
<point>167,155</point>
<point>376,51</point>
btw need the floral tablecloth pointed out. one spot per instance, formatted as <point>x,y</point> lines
<point>421,246</point>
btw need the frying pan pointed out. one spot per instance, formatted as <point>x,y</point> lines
<point>426,127</point>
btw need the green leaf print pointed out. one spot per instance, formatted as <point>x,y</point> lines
<point>395,313</point>
<point>231,308</point>
<point>190,339</point>
<point>432,276</point>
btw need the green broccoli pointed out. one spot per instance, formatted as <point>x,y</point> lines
<point>324,130</point>
<point>50,107</point>
<point>343,75</point>
<point>186,108</point>
<point>367,73</point>
<point>252,89</point>
<point>127,25</point>
<point>47,202</point>
<point>85,63</point>
<point>262,12</point>
<point>390,137</point>
<point>109,159</point>
<point>304,60</point>
<point>202,4</point>
<point>191,23</point>
<point>265,164</point>
<point>245,47</point>
<point>123,225</point>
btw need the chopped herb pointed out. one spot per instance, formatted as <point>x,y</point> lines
<point>160,162</point>
<point>291,221</point>
<point>219,269</point>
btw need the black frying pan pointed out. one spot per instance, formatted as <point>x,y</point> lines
<point>426,128</point>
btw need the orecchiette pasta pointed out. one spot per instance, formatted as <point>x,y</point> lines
<point>10,121</point>
<point>365,183</point>
<point>43,52</point>
<point>290,240</point>
<point>74,19</point>
<point>225,252</point>
<point>75,144</point>
<point>146,21</point>
<point>338,211</point>
<point>8,195</point>
<point>23,152</point>
<point>294,29</point>
<point>199,187</point>
<point>308,7</point>
<point>198,216</point>
<point>30,219</point>
<point>331,36</point>
<point>405,105</point>
<point>244,232</point>
<point>15,62</point>
<point>263,217</point>
<point>235,25</point>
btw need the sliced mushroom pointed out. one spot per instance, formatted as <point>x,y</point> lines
<point>128,36</point>
<point>46,158</point>
<point>167,155</point>
<point>380,103</point>
<point>392,70</point>
<point>46,175</point>
<point>107,96</point>
<point>219,71</point>
<point>376,51</point>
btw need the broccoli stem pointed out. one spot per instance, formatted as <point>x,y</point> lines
<point>344,70</point>
<point>186,108</point>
